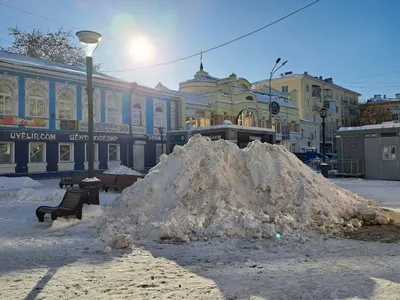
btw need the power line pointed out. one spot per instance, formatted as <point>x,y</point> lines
<point>39,16</point>
<point>219,46</point>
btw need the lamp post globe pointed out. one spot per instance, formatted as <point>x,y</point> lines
<point>323,112</point>
<point>89,41</point>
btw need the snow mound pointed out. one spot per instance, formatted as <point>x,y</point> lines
<point>212,188</point>
<point>28,194</point>
<point>8,183</point>
<point>122,170</point>
<point>88,212</point>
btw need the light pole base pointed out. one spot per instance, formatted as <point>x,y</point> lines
<point>92,186</point>
<point>324,167</point>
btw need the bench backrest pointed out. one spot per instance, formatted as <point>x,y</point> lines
<point>107,178</point>
<point>72,198</point>
<point>78,177</point>
<point>126,180</point>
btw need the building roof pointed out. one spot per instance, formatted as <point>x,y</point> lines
<point>385,125</point>
<point>294,76</point>
<point>22,60</point>
<point>263,96</point>
<point>190,98</point>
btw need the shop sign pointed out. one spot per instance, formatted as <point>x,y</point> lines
<point>104,127</point>
<point>152,137</point>
<point>11,120</point>
<point>253,138</point>
<point>96,138</point>
<point>32,136</point>
<point>371,135</point>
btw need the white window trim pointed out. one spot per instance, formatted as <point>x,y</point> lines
<point>7,94</point>
<point>12,154</point>
<point>44,153</point>
<point>96,152</point>
<point>36,98</point>
<point>72,152</point>
<point>118,152</point>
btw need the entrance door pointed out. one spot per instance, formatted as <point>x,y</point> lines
<point>138,157</point>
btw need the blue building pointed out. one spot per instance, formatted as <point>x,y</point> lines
<point>43,118</point>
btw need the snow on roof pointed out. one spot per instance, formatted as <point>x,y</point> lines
<point>190,98</point>
<point>373,126</point>
<point>22,60</point>
<point>262,96</point>
<point>226,126</point>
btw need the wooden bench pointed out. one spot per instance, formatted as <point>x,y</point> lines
<point>76,178</point>
<point>121,182</point>
<point>106,179</point>
<point>71,204</point>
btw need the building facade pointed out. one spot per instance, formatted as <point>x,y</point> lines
<point>312,94</point>
<point>43,118</point>
<point>234,99</point>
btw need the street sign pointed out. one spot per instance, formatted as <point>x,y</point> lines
<point>274,108</point>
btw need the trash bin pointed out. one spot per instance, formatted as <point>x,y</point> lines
<point>324,167</point>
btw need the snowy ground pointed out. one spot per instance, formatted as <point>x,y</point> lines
<point>64,261</point>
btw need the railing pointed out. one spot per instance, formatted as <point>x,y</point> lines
<point>349,166</point>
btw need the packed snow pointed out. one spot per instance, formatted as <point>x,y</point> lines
<point>30,194</point>
<point>214,189</point>
<point>8,183</point>
<point>122,170</point>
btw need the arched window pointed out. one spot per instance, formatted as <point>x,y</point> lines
<point>66,105</point>
<point>246,118</point>
<point>158,117</point>
<point>96,105</point>
<point>137,115</point>
<point>5,100</point>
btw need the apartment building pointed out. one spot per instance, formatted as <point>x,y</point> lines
<point>313,92</point>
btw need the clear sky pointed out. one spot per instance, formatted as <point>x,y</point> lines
<point>354,41</point>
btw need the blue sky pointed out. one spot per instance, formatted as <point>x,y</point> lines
<point>353,41</point>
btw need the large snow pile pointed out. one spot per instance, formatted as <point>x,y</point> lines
<point>122,170</point>
<point>212,188</point>
<point>7,183</point>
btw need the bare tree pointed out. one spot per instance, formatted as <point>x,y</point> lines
<point>367,114</point>
<point>56,46</point>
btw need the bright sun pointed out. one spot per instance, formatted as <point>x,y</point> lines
<point>141,48</point>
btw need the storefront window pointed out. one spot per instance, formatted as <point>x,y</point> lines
<point>6,153</point>
<point>66,152</point>
<point>37,152</point>
<point>113,152</point>
<point>246,118</point>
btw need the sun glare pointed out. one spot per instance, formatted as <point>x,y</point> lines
<point>141,48</point>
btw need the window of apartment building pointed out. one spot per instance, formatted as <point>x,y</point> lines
<point>113,152</point>
<point>302,133</point>
<point>389,153</point>
<point>137,115</point>
<point>96,152</point>
<point>5,101</point>
<point>285,89</point>
<point>6,152</point>
<point>307,88</point>
<point>37,152</point>
<point>308,102</point>
<point>66,152</point>
<point>337,109</point>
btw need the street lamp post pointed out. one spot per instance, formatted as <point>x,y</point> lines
<point>89,41</point>
<point>323,166</point>
<point>273,71</point>
<point>161,130</point>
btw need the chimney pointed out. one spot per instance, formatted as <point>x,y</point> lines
<point>329,80</point>
<point>397,96</point>
<point>320,77</point>
<point>289,73</point>
<point>384,96</point>
<point>305,73</point>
